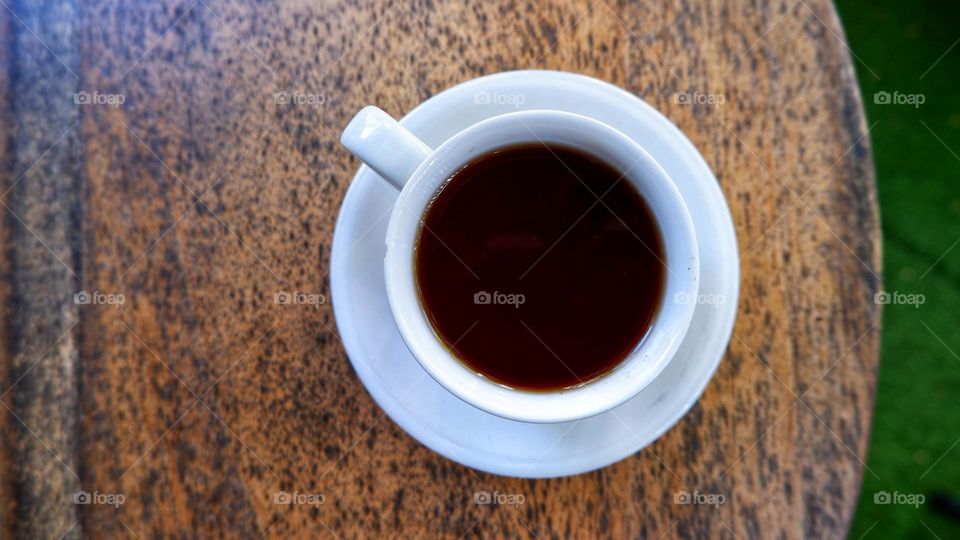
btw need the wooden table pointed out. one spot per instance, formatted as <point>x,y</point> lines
<point>199,196</point>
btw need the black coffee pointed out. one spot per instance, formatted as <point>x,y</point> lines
<point>540,267</point>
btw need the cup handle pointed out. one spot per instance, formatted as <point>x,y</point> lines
<point>385,146</point>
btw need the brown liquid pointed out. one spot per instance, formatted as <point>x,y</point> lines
<point>526,220</point>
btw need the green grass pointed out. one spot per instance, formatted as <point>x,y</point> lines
<point>917,417</point>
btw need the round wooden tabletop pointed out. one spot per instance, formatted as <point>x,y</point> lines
<point>179,162</point>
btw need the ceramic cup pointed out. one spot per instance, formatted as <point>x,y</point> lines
<point>419,172</point>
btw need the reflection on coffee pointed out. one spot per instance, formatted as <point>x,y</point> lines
<point>540,267</point>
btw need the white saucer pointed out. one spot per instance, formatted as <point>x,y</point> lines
<point>464,433</point>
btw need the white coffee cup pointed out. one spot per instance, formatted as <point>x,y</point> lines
<point>419,172</point>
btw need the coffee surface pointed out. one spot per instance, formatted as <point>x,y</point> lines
<point>540,267</point>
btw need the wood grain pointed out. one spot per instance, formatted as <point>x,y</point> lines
<point>200,197</point>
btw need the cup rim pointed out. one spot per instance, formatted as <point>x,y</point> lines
<point>648,358</point>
